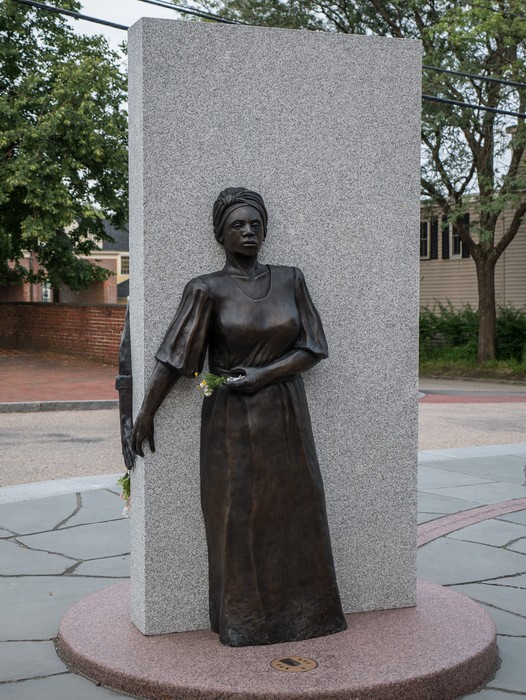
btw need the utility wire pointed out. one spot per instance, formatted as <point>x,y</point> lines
<point>70,13</point>
<point>216,18</point>
<point>188,11</point>
<point>445,100</point>
<point>487,78</point>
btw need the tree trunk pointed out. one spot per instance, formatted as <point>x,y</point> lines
<point>487,309</point>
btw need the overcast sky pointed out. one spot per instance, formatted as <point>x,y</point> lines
<point>121,11</point>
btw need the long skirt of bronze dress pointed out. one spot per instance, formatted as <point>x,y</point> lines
<point>270,561</point>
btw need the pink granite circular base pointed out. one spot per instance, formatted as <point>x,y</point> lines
<point>439,650</point>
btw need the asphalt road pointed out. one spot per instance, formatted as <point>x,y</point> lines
<point>58,445</point>
<point>478,413</point>
<point>64,444</point>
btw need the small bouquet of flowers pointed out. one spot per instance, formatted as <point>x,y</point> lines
<point>210,382</point>
<point>124,483</point>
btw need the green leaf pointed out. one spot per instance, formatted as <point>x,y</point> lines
<point>63,145</point>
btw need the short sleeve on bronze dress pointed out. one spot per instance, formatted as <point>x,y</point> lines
<point>185,343</point>
<point>311,336</point>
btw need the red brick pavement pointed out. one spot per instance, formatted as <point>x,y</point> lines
<point>450,398</point>
<point>44,376</point>
<point>40,376</point>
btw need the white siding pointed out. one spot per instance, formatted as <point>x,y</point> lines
<point>455,280</point>
<point>513,265</point>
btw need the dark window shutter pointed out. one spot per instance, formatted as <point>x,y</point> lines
<point>445,239</point>
<point>465,251</point>
<point>433,253</point>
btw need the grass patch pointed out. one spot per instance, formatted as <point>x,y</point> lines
<point>503,370</point>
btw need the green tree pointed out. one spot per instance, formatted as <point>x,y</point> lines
<point>471,159</point>
<point>63,146</point>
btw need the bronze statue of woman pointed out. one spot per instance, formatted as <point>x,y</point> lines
<point>271,571</point>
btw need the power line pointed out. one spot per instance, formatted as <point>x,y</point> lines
<point>487,78</point>
<point>188,11</point>
<point>431,98</point>
<point>216,18</point>
<point>70,13</point>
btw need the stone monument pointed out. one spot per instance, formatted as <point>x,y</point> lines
<point>326,128</point>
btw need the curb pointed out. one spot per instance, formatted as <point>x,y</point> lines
<point>36,406</point>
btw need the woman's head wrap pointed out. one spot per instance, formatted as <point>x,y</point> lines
<point>233,198</point>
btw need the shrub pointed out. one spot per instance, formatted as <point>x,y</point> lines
<point>447,329</point>
<point>451,334</point>
<point>511,334</point>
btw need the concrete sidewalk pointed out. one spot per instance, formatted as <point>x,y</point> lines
<point>61,540</point>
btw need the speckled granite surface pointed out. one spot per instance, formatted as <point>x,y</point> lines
<point>442,648</point>
<point>326,127</point>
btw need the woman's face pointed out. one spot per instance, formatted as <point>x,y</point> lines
<point>243,231</point>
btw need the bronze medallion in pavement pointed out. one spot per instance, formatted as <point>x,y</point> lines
<point>293,664</point>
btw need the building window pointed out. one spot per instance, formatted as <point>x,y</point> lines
<point>424,240</point>
<point>452,246</point>
<point>125,264</point>
<point>455,243</point>
<point>429,239</point>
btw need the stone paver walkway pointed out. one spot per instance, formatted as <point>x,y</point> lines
<point>61,540</point>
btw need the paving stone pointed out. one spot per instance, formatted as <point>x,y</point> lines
<point>494,532</point>
<point>37,515</point>
<point>518,517</point>
<point>506,622</point>
<point>85,541</point>
<point>16,560</point>
<point>490,695</point>
<point>426,517</point>
<point>64,687</point>
<point>57,486</point>
<point>435,478</point>
<point>512,672</point>
<point>484,493</point>
<point>518,581</point>
<point>40,602</point>
<point>510,599</point>
<point>98,506</point>
<point>509,468</point>
<point>112,566</point>
<point>430,502</point>
<point>449,561</point>
<point>519,546</point>
<point>20,660</point>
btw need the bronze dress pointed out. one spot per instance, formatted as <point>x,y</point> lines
<point>271,572</point>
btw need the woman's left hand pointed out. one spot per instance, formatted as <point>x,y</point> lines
<point>253,379</point>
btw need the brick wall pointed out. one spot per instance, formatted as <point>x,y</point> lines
<point>91,331</point>
<point>22,292</point>
<point>103,292</point>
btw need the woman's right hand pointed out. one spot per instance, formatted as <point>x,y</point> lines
<point>142,430</point>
